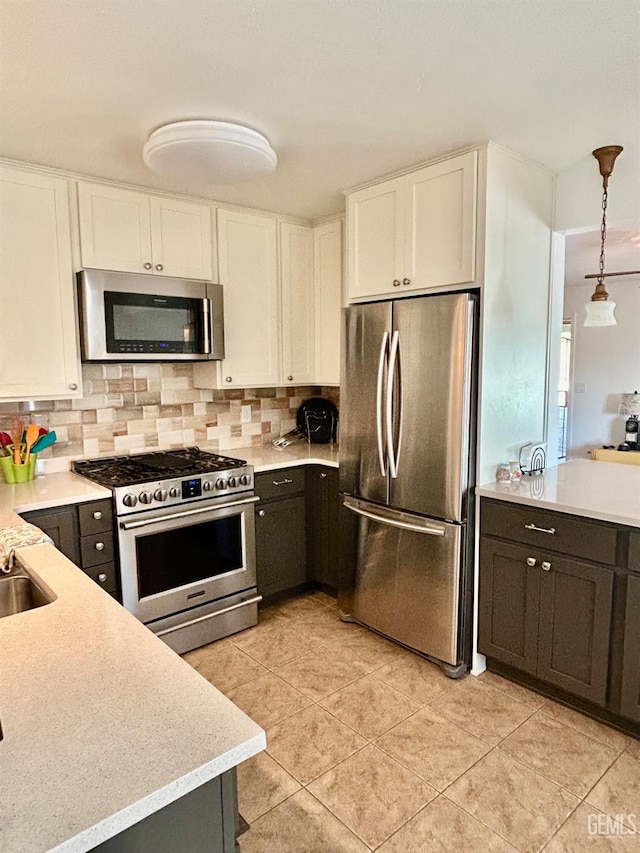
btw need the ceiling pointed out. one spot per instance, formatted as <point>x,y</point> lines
<point>345,90</point>
<point>622,252</point>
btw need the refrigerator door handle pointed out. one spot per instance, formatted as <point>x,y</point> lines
<point>379,393</point>
<point>400,412</point>
<point>430,529</point>
<point>391,380</point>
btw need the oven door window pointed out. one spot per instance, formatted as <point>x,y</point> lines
<point>144,323</point>
<point>185,555</point>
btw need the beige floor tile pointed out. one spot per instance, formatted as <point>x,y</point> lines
<point>566,756</point>
<point>516,803</point>
<point>298,608</point>
<point>277,645</point>
<point>618,792</point>
<point>318,676</point>
<point>368,649</point>
<point>433,747</point>
<point>481,710</point>
<point>633,748</point>
<point>262,784</point>
<point>326,627</point>
<point>372,794</point>
<point>224,666</point>
<point>369,706</point>
<point>443,827</point>
<point>268,699</point>
<point>267,619</point>
<point>300,825</point>
<point>325,598</point>
<point>417,678</point>
<point>591,831</point>
<point>575,720</point>
<point>311,742</point>
<point>510,688</point>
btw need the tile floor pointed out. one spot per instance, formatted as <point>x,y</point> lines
<point>369,747</point>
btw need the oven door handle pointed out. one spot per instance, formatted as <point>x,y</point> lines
<point>132,525</point>
<point>255,600</point>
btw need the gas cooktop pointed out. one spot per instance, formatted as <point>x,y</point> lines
<point>116,471</point>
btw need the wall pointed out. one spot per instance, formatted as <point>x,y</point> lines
<point>132,408</point>
<point>607,360</point>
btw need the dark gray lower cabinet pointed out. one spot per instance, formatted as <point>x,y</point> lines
<point>281,545</point>
<point>61,524</point>
<point>203,821</point>
<point>630,695</point>
<point>322,525</point>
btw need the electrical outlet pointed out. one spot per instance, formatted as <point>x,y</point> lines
<point>580,388</point>
<point>245,414</point>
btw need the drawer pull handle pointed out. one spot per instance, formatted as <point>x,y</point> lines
<point>531,561</point>
<point>102,577</point>
<point>546,567</point>
<point>283,482</point>
<point>550,530</point>
<point>97,515</point>
<point>99,546</point>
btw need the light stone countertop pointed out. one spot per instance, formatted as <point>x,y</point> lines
<point>268,458</point>
<point>103,723</point>
<point>602,490</point>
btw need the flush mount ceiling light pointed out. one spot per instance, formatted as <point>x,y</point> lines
<point>600,309</point>
<point>215,152</point>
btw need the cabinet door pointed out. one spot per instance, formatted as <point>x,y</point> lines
<point>61,525</point>
<point>575,627</point>
<point>439,248</point>
<point>247,254</point>
<point>375,224</point>
<point>115,229</point>
<point>630,699</point>
<point>37,321</point>
<point>281,545</point>
<point>181,238</point>
<point>322,525</point>
<point>298,330</point>
<point>509,603</point>
<point>327,274</point>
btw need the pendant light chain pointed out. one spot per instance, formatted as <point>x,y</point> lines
<point>603,234</point>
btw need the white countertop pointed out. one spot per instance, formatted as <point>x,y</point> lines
<point>268,458</point>
<point>103,723</point>
<point>603,490</point>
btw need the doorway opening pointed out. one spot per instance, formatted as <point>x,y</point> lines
<point>564,384</point>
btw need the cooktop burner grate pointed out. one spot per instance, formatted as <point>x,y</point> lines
<point>116,471</point>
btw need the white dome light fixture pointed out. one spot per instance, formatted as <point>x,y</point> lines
<point>214,152</point>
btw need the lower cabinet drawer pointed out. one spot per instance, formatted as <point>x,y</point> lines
<point>96,549</point>
<point>105,576</point>
<point>280,483</point>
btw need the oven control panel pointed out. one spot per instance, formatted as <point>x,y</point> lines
<point>172,492</point>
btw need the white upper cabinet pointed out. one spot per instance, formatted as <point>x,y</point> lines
<point>298,334</point>
<point>327,268</point>
<point>130,231</point>
<point>247,256</point>
<point>38,341</point>
<point>414,232</point>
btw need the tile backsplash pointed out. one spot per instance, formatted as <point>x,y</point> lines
<point>130,408</point>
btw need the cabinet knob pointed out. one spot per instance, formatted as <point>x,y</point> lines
<point>148,266</point>
<point>97,515</point>
<point>159,267</point>
<point>228,379</point>
<point>531,561</point>
<point>99,546</point>
<point>406,281</point>
<point>261,513</point>
<point>73,386</point>
<point>396,282</point>
<point>323,476</point>
<point>290,378</point>
<point>102,577</point>
<point>546,567</point>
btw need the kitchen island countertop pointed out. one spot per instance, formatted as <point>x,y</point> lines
<point>599,490</point>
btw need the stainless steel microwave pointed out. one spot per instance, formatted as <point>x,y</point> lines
<point>128,317</point>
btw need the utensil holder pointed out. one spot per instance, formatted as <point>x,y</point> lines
<point>13,473</point>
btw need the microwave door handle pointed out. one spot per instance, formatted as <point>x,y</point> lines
<point>206,320</point>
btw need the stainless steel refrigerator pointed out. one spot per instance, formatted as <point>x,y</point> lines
<point>406,452</point>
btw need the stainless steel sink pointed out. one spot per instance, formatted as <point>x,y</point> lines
<point>19,593</point>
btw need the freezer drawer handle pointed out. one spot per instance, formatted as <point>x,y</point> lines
<point>405,525</point>
<point>131,525</point>
<point>550,530</point>
<point>255,600</point>
<point>381,365</point>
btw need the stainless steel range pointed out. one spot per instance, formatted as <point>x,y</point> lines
<point>186,536</point>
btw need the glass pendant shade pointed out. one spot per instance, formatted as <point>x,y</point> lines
<point>600,313</point>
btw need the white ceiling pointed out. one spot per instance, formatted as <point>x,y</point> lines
<point>622,253</point>
<point>346,90</point>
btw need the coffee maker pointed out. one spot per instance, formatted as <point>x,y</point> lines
<point>630,405</point>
